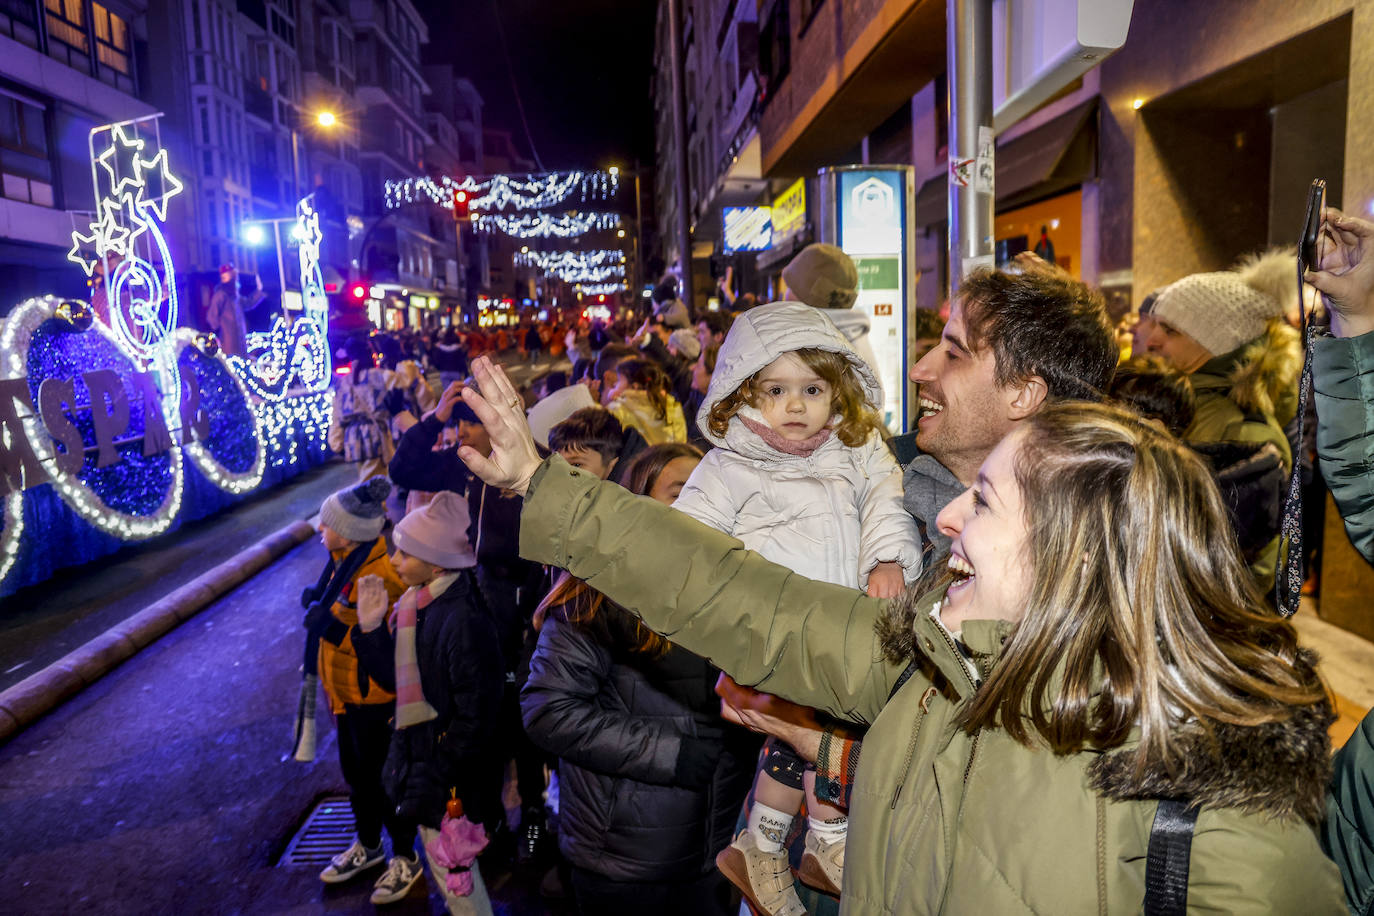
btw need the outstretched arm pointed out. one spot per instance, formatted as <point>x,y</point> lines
<point>769,628</point>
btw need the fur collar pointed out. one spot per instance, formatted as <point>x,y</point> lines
<point>1279,769</point>
<point>1261,377</point>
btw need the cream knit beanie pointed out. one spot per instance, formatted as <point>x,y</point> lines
<point>1218,310</point>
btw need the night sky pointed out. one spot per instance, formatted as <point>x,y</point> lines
<point>583,69</point>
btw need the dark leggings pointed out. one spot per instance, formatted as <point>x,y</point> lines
<point>364,737</point>
<point>784,764</point>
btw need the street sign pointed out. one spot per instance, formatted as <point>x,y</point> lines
<point>1040,46</point>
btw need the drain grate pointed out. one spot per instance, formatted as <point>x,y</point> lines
<point>327,831</point>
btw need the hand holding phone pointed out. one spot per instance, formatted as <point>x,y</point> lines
<point>1312,224</point>
<point>1344,272</point>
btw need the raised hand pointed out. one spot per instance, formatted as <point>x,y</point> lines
<point>513,459</point>
<point>1345,272</point>
<point>373,602</point>
<point>447,401</point>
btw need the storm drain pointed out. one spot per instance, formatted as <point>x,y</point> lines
<point>327,831</point>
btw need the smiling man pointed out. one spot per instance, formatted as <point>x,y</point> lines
<point>1013,342</point>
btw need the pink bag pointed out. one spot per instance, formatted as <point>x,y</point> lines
<point>455,848</point>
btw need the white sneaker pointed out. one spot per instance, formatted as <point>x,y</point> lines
<point>401,875</point>
<point>347,864</point>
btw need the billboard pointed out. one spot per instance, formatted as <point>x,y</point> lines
<point>747,229</point>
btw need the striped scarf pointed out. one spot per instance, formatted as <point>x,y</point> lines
<point>411,706</point>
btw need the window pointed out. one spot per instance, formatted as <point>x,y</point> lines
<point>67,32</point>
<point>204,121</point>
<point>24,152</point>
<point>19,20</point>
<point>775,50</point>
<point>200,69</point>
<point>208,163</point>
<point>196,39</point>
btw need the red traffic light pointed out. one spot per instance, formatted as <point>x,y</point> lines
<point>460,204</point>
<point>358,292</point>
<point>601,297</point>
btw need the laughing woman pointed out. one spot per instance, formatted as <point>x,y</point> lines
<point>1096,646</point>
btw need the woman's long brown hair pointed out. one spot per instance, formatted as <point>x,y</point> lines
<point>1143,613</point>
<point>573,600</point>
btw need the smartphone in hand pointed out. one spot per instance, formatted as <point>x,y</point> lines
<point>1312,225</point>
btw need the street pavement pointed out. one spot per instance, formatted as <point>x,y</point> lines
<point>163,788</point>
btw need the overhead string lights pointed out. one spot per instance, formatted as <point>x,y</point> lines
<point>499,192</point>
<point>576,266</point>
<point>545,225</point>
<point>600,289</point>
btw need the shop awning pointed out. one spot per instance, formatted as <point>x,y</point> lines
<point>1054,157</point>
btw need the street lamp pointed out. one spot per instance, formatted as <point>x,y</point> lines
<point>326,119</point>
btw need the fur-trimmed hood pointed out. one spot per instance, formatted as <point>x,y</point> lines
<point>1277,769</point>
<point>1260,377</point>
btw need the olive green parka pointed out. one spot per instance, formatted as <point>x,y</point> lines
<point>942,821</point>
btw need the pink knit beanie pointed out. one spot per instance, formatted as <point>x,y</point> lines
<point>438,533</point>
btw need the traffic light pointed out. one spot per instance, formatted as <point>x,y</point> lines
<point>357,293</point>
<point>460,204</point>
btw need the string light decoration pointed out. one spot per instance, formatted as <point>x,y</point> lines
<point>9,537</point>
<point>233,457</point>
<point>569,260</point>
<point>545,225</point>
<point>295,428</point>
<point>138,496</point>
<point>293,355</point>
<point>601,289</point>
<point>131,194</point>
<point>533,192</point>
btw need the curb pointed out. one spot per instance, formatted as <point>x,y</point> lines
<point>41,692</point>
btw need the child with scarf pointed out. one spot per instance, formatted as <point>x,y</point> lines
<point>440,649</point>
<point>351,523</point>
<point>800,474</point>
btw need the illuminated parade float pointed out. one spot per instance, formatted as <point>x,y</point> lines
<point>117,425</point>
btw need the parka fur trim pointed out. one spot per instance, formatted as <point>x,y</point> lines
<point>1279,769</point>
<point>1264,376</point>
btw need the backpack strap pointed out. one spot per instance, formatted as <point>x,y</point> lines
<point>1166,864</point>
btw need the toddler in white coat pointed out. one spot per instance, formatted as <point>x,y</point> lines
<point>800,474</point>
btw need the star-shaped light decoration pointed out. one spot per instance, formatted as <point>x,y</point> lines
<point>110,234</point>
<point>115,155</point>
<point>168,184</point>
<point>80,241</point>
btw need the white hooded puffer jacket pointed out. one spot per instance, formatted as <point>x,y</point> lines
<point>832,515</point>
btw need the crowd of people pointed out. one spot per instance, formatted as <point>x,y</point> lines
<point>689,594</point>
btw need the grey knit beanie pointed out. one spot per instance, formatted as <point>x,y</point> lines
<point>686,343</point>
<point>357,513</point>
<point>1218,310</point>
<point>823,277</point>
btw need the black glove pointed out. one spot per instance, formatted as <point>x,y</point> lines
<point>309,595</point>
<point>320,622</point>
<point>696,762</point>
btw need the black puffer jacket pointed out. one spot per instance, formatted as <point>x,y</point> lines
<point>619,720</point>
<point>462,675</point>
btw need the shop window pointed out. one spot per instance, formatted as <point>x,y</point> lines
<point>24,160</point>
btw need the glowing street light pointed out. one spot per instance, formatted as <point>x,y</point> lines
<point>254,235</point>
<point>326,119</point>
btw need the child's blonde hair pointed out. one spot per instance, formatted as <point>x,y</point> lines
<point>848,399</point>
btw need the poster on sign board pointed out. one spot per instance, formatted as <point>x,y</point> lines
<point>871,223</point>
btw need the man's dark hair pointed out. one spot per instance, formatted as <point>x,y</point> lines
<point>717,322</point>
<point>593,429</point>
<point>609,357</point>
<point>1155,390</point>
<point>1045,324</point>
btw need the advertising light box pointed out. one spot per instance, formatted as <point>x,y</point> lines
<point>747,229</point>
